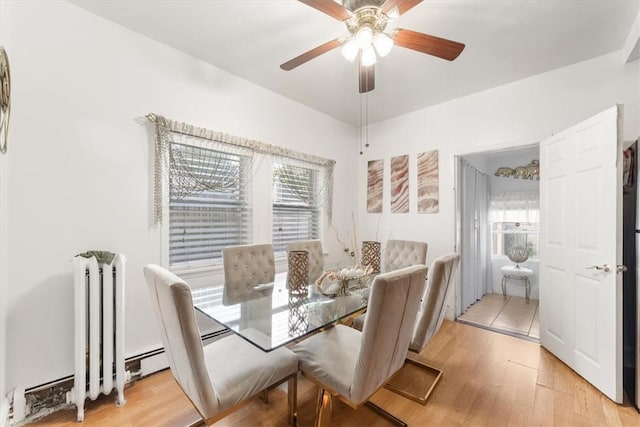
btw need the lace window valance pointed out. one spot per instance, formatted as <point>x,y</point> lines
<point>179,144</point>
<point>516,206</point>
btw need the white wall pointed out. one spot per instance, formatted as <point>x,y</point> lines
<point>3,252</point>
<point>81,164</point>
<point>519,113</point>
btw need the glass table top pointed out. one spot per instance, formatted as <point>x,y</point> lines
<point>270,316</point>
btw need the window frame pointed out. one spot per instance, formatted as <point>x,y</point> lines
<point>507,232</point>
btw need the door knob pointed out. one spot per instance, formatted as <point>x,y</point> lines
<point>603,267</point>
<point>621,268</point>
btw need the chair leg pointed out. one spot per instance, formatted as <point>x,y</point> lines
<point>504,286</point>
<point>527,289</point>
<point>292,395</point>
<point>324,408</point>
<point>396,384</point>
<point>264,396</point>
<point>397,421</point>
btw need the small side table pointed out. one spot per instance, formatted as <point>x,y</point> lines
<point>518,273</point>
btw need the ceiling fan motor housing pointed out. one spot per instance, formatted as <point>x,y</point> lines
<point>367,16</point>
<point>354,5</point>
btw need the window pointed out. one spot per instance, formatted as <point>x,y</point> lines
<point>506,235</point>
<point>514,219</point>
<point>296,214</point>
<point>213,190</point>
<point>205,220</point>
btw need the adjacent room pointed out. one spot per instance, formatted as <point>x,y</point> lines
<point>500,239</point>
<point>327,212</point>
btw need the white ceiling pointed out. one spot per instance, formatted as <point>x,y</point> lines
<point>505,41</point>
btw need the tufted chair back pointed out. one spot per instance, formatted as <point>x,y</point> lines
<point>316,256</point>
<point>244,267</point>
<point>404,253</point>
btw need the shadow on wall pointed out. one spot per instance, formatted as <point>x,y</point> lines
<point>515,287</point>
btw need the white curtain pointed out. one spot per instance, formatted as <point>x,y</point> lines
<point>475,262</point>
<point>515,206</point>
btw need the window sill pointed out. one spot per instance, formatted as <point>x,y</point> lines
<point>506,258</point>
<point>197,271</point>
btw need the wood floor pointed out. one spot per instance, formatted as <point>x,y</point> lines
<point>489,379</point>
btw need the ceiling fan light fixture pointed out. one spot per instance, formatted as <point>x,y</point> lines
<point>368,57</point>
<point>383,44</point>
<point>350,49</point>
<point>394,13</point>
<point>364,37</point>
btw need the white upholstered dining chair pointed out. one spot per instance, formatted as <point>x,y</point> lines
<point>404,253</point>
<point>316,256</point>
<point>399,254</point>
<point>245,268</point>
<point>221,376</point>
<point>353,365</point>
<point>430,317</point>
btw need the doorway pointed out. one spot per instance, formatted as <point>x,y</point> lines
<point>498,211</point>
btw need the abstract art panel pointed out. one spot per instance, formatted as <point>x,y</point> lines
<point>428,182</point>
<point>400,184</point>
<point>374,186</point>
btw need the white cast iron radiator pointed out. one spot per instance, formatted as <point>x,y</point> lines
<point>99,330</point>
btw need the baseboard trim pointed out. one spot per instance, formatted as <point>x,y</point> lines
<point>5,407</point>
<point>44,399</point>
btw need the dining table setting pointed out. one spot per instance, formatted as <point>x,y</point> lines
<point>275,314</point>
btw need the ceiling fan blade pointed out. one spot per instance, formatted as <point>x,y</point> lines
<point>367,77</point>
<point>402,5</point>
<point>432,45</point>
<point>309,55</point>
<point>329,7</point>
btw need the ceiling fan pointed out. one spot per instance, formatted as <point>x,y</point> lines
<point>366,21</point>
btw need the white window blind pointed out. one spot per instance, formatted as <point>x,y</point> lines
<point>204,222</point>
<point>296,211</point>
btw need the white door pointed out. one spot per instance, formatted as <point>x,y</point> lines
<point>580,228</point>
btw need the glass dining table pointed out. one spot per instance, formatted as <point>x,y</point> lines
<point>270,315</point>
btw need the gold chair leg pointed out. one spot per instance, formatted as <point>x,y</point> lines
<point>399,386</point>
<point>397,421</point>
<point>292,395</point>
<point>324,408</point>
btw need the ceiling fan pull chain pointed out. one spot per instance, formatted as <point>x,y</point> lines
<point>360,129</point>
<point>366,100</point>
